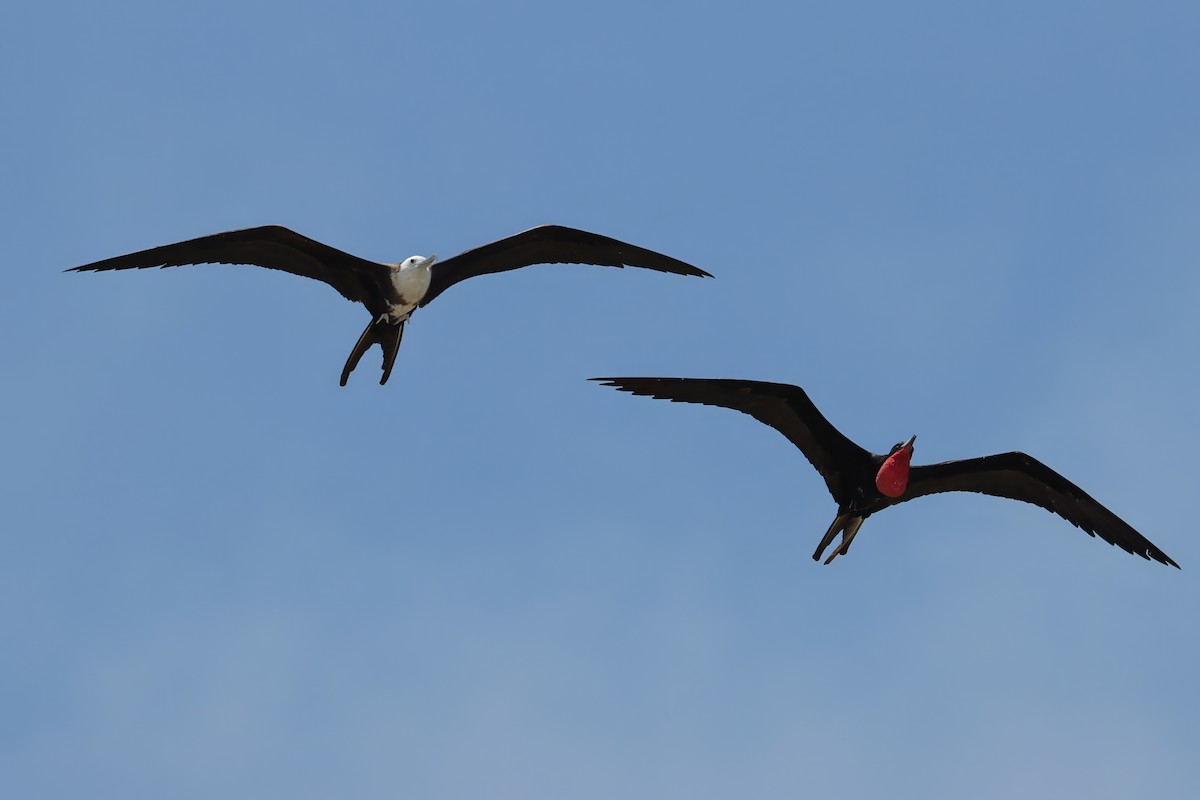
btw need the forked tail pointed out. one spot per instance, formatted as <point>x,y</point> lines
<point>387,334</point>
<point>845,524</point>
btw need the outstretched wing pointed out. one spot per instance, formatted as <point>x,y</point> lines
<point>270,246</point>
<point>785,408</point>
<point>548,244</point>
<point>1018,476</point>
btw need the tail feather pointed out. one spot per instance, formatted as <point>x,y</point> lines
<point>389,340</point>
<point>848,534</point>
<point>378,331</point>
<point>839,522</point>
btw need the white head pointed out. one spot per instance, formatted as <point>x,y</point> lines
<point>417,261</point>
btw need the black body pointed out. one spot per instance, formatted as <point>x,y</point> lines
<point>369,282</point>
<point>849,470</point>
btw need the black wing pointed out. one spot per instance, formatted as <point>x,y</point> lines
<point>270,246</point>
<point>785,408</point>
<point>1018,476</point>
<point>548,244</point>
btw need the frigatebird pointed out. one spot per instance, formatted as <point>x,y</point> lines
<point>391,292</point>
<point>863,482</point>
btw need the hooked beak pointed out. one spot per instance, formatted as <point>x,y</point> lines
<point>909,444</point>
<point>428,262</point>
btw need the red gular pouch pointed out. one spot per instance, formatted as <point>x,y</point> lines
<point>892,478</point>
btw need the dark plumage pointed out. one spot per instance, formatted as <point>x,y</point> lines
<point>857,478</point>
<point>392,291</point>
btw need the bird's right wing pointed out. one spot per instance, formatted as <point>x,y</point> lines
<point>785,408</point>
<point>270,246</point>
<point>1018,476</point>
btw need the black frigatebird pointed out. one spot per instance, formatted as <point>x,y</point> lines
<point>863,482</point>
<point>391,292</point>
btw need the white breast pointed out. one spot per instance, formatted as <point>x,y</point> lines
<point>411,284</point>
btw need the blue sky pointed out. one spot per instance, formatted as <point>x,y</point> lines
<point>225,576</point>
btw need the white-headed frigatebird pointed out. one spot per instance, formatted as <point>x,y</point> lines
<point>391,292</point>
<point>862,482</point>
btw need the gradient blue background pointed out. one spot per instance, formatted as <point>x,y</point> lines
<point>222,575</point>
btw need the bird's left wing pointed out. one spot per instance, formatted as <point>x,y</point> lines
<point>270,246</point>
<point>549,244</point>
<point>1018,476</point>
